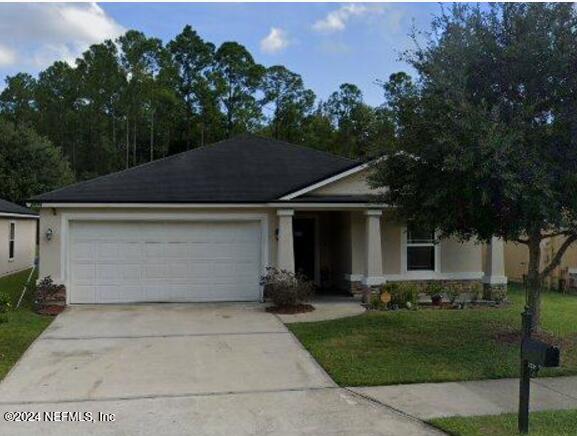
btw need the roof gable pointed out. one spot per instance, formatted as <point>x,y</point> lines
<point>247,169</point>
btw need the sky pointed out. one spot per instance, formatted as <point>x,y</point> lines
<point>326,43</point>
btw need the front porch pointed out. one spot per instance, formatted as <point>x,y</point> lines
<point>347,249</point>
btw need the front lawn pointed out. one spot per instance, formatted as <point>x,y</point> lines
<point>382,348</point>
<point>551,423</point>
<point>18,328</point>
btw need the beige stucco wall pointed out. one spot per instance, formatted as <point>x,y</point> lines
<point>24,246</point>
<point>459,256</point>
<point>517,258</point>
<point>355,184</point>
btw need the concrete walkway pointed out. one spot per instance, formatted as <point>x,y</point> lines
<point>473,398</point>
<point>327,308</point>
<point>170,369</point>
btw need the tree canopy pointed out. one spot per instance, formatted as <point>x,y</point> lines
<point>135,99</point>
<point>487,129</point>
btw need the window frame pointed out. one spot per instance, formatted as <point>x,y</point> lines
<point>418,273</point>
<point>11,241</point>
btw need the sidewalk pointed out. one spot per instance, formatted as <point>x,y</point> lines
<point>484,397</point>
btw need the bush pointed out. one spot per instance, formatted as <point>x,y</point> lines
<point>403,295</point>
<point>4,303</point>
<point>434,289</point>
<point>286,289</point>
<point>49,292</point>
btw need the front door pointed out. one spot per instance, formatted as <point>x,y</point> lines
<point>304,246</point>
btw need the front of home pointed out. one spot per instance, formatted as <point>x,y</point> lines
<point>205,224</point>
<point>17,237</point>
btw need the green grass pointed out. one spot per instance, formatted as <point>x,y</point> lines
<point>18,328</point>
<point>382,348</point>
<point>553,423</point>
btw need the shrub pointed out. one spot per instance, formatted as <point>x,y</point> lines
<point>286,289</point>
<point>4,303</point>
<point>403,295</point>
<point>47,291</point>
<point>434,289</point>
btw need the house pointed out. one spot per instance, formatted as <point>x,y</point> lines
<point>564,276</point>
<point>203,225</point>
<point>17,237</point>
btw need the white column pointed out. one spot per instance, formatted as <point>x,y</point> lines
<point>373,248</point>
<point>495,263</point>
<point>285,245</point>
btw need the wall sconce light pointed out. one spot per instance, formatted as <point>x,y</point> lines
<point>49,234</point>
<point>276,234</point>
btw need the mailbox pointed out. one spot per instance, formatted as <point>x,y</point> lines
<point>539,353</point>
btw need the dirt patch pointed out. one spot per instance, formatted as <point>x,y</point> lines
<point>52,310</point>
<point>512,336</point>
<point>290,310</point>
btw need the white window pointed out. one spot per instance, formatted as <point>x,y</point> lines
<point>420,249</point>
<point>11,239</point>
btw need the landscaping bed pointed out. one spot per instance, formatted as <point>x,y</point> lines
<point>419,346</point>
<point>550,423</point>
<point>18,327</point>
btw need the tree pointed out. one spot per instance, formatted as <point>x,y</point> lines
<point>17,99</point>
<point>291,102</point>
<point>361,130</point>
<point>237,78</point>
<point>29,164</point>
<point>487,133</point>
<point>193,59</point>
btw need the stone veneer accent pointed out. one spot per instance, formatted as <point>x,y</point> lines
<point>490,292</point>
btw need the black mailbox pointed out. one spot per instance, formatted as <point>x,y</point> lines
<point>539,353</point>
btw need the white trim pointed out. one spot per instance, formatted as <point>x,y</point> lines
<point>66,218</point>
<point>354,277</point>
<point>285,212</point>
<point>152,205</point>
<point>296,205</point>
<point>275,205</point>
<point>17,215</point>
<point>495,280</point>
<point>324,182</point>
<point>380,280</point>
<point>373,212</point>
<point>424,273</point>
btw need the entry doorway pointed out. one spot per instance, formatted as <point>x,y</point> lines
<point>305,247</point>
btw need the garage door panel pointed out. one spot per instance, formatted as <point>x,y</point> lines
<point>114,262</point>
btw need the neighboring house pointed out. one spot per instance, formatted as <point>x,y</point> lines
<point>565,275</point>
<point>203,225</point>
<point>17,237</point>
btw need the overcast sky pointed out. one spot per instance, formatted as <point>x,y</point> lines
<point>327,43</point>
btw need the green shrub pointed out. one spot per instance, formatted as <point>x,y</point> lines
<point>434,288</point>
<point>286,289</point>
<point>4,302</point>
<point>401,294</point>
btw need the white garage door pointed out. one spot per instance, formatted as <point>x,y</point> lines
<point>122,262</point>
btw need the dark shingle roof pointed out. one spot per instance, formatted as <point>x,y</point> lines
<point>242,169</point>
<point>7,207</point>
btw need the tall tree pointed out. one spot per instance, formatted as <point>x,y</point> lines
<point>17,99</point>
<point>193,58</point>
<point>291,102</point>
<point>29,164</point>
<point>487,132</point>
<point>237,78</point>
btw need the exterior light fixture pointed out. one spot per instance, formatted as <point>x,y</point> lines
<point>49,234</point>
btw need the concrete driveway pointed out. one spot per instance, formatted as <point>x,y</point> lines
<point>206,369</point>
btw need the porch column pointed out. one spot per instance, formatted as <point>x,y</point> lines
<point>494,280</point>
<point>285,247</point>
<point>373,247</point>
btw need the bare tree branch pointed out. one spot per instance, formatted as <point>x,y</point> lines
<point>552,235</point>
<point>522,241</point>
<point>558,256</point>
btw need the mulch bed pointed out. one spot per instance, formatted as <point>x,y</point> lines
<point>51,310</point>
<point>290,310</point>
